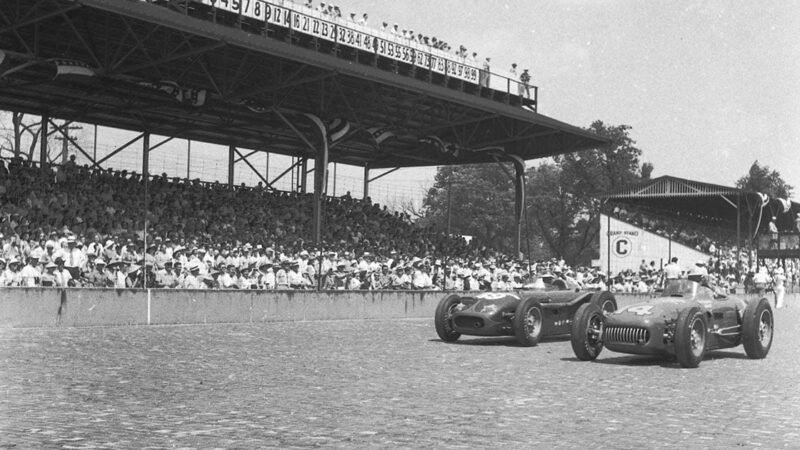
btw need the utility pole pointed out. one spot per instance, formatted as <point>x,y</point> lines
<point>64,141</point>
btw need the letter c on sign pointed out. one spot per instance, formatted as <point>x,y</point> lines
<point>621,247</point>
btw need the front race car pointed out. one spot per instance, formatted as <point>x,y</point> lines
<point>645,328</point>
<point>689,320</point>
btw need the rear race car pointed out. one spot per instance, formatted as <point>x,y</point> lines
<point>528,316</point>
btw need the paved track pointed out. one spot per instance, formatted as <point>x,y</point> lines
<point>379,384</point>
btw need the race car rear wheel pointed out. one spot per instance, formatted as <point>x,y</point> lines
<point>528,322</point>
<point>691,334</point>
<point>605,300</point>
<point>758,325</point>
<point>443,318</point>
<point>587,332</point>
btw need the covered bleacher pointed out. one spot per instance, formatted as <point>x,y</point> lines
<point>727,224</point>
<point>190,70</point>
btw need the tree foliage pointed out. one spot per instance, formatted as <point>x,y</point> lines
<point>476,200</point>
<point>763,179</point>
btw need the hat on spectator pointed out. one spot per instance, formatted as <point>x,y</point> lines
<point>700,262</point>
<point>193,266</point>
<point>71,239</point>
<point>99,262</point>
<point>265,265</point>
<point>51,265</point>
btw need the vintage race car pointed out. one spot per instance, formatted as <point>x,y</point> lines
<point>526,315</point>
<point>688,320</point>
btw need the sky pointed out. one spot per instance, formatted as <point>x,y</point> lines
<point>708,87</point>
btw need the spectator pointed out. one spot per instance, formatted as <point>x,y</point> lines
<point>672,271</point>
<point>524,86</point>
<point>483,76</point>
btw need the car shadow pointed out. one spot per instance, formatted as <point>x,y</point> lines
<point>508,341</point>
<point>667,362</point>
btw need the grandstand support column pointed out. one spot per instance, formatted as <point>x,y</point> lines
<point>738,229</point>
<point>303,170</point>
<point>320,183</point>
<point>231,162</point>
<point>499,154</point>
<point>145,154</point>
<point>366,180</point>
<point>43,138</point>
<point>319,147</point>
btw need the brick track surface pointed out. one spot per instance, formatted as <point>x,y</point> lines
<point>382,384</point>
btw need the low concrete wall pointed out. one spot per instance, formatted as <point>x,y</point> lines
<point>48,307</point>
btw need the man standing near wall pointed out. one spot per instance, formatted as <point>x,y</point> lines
<point>672,271</point>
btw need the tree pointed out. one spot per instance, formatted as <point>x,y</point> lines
<point>564,197</point>
<point>12,139</point>
<point>562,203</point>
<point>762,179</point>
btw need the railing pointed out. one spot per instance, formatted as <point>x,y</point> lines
<point>283,19</point>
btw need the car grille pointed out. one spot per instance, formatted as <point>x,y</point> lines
<point>469,322</point>
<point>627,335</point>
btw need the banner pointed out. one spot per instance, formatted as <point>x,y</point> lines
<point>254,9</point>
<point>291,16</point>
<point>72,67</point>
<point>380,134</point>
<point>337,129</point>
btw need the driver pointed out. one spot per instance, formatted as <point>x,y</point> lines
<point>698,273</point>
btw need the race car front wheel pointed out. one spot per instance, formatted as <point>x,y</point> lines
<point>443,318</point>
<point>528,322</point>
<point>758,324</point>
<point>587,331</point>
<point>691,334</point>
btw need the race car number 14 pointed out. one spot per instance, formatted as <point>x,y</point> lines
<point>641,310</point>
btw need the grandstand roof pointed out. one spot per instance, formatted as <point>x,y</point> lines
<point>699,199</point>
<point>256,81</point>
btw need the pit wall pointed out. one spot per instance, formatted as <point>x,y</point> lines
<point>48,307</point>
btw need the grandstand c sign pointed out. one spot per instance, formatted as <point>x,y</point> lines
<point>621,246</point>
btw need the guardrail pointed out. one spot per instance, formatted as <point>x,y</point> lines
<point>83,307</point>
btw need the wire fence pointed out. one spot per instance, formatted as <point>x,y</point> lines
<point>208,162</point>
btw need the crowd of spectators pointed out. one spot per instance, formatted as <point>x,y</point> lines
<point>701,237</point>
<point>75,226</point>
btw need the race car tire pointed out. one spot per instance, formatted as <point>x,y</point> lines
<point>528,319</point>
<point>758,325</point>
<point>442,318</point>
<point>691,336</point>
<point>605,300</point>
<point>587,332</point>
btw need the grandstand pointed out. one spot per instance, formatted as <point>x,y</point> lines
<point>276,80</point>
<point>239,79</point>
<point>669,216</point>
